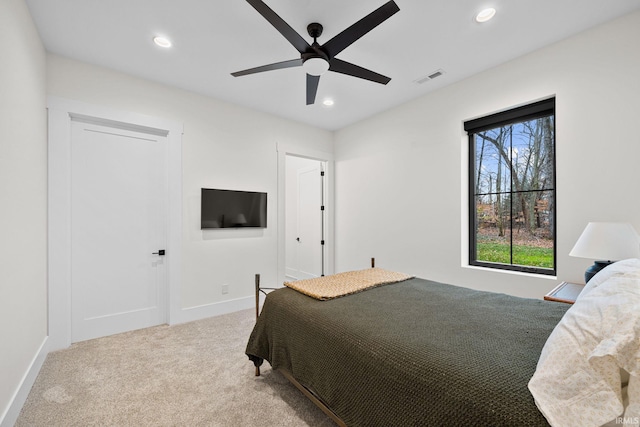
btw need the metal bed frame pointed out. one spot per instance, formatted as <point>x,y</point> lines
<point>312,397</point>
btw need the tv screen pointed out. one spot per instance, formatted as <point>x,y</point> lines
<point>233,209</point>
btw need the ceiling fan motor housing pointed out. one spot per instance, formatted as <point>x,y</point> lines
<point>315,30</point>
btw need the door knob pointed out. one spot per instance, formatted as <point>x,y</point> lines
<point>297,239</point>
<point>160,252</point>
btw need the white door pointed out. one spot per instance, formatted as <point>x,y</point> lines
<point>118,216</point>
<point>309,247</point>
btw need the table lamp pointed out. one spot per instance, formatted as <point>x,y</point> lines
<point>606,242</point>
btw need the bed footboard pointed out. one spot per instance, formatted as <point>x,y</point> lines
<point>256,360</point>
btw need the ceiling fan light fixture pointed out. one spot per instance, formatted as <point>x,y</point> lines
<point>485,14</point>
<point>162,41</point>
<point>328,102</point>
<point>316,66</point>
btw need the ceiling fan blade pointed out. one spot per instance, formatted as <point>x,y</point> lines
<point>343,40</point>
<point>275,66</point>
<point>285,29</point>
<point>312,88</point>
<point>344,67</point>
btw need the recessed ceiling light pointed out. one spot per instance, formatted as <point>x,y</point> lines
<point>485,15</point>
<point>327,102</point>
<point>162,41</point>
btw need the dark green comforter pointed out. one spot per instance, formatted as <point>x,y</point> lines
<point>415,353</point>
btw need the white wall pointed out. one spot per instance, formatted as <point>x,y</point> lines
<point>224,146</point>
<point>401,176</point>
<point>23,203</point>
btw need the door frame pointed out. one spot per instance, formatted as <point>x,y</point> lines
<point>60,114</point>
<point>285,150</point>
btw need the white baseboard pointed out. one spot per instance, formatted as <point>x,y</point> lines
<point>291,273</point>
<point>10,416</point>
<point>215,309</point>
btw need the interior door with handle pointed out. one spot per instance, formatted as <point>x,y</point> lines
<point>309,245</point>
<point>118,210</point>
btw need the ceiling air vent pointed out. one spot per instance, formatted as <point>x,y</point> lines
<point>428,77</point>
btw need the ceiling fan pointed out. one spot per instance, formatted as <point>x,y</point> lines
<point>316,59</point>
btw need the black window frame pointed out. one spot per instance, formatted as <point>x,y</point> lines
<point>524,113</point>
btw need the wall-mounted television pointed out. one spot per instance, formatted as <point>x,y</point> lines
<point>232,209</point>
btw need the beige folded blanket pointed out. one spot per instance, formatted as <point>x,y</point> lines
<point>350,282</point>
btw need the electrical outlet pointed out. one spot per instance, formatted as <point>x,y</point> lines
<point>225,289</point>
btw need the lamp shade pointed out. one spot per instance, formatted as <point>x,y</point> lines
<point>611,241</point>
<point>240,219</point>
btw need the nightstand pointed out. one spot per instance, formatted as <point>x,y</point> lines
<point>566,292</point>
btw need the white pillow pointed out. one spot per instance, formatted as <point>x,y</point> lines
<point>617,268</point>
<point>577,381</point>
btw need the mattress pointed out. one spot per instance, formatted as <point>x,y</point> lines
<point>414,353</point>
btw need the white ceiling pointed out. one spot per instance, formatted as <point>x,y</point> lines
<point>212,38</point>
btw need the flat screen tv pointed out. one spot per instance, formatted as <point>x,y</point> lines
<point>232,209</point>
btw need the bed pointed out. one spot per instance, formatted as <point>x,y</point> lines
<point>411,353</point>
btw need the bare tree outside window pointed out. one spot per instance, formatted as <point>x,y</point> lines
<point>512,186</point>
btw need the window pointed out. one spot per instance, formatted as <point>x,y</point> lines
<point>512,197</point>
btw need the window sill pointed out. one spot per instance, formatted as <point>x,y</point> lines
<point>511,272</point>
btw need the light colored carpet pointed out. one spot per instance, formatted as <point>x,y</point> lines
<point>194,374</point>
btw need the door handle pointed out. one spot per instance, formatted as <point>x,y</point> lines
<point>160,252</point>
<point>297,239</point>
